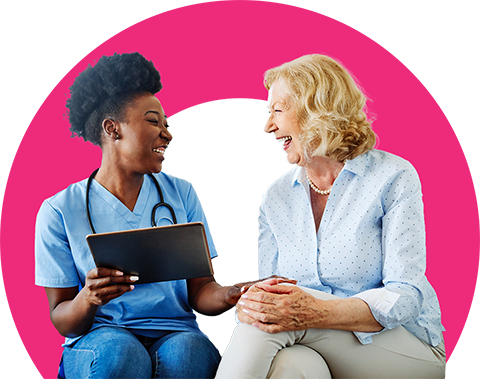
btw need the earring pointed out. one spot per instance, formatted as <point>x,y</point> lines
<point>116,135</point>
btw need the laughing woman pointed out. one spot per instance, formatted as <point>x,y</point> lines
<point>347,222</point>
<point>113,328</point>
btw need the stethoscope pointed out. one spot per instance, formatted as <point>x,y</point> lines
<point>162,203</point>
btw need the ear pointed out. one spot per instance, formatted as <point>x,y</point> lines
<point>110,129</point>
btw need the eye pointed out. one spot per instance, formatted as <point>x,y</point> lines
<point>167,126</point>
<point>153,121</point>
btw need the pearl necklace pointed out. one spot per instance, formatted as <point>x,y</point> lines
<point>315,188</point>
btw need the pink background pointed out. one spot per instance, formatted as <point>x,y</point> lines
<point>222,54</point>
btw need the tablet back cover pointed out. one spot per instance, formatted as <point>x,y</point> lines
<point>155,254</point>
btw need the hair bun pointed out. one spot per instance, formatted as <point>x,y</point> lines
<point>111,77</point>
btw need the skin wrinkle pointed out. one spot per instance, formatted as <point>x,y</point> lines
<point>275,309</point>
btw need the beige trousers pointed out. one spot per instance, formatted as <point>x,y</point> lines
<point>325,353</point>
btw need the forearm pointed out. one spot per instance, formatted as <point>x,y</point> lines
<point>208,297</point>
<point>350,314</point>
<point>286,308</point>
<point>74,317</point>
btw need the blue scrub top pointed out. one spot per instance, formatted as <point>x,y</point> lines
<point>63,257</point>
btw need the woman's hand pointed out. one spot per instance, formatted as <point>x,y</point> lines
<point>239,289</point>
<point>104,284</point>
<point>72,312</point>
<point>208,297</point>
<point>276,308</point>
<point>273,308</point>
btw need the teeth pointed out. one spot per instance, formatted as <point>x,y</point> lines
<point>283,139</point>
<point>159,151</point>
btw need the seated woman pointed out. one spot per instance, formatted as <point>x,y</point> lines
<point>114,329</point>
<point>347,222</point>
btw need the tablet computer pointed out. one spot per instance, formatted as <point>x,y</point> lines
<point>155,254</point>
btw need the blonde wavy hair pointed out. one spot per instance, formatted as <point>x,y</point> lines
<point>329,105</point>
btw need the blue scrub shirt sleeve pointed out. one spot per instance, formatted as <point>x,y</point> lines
<point>195,214</point>
<point>54,265</point>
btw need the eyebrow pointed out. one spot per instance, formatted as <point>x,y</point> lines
<point>158,113</point>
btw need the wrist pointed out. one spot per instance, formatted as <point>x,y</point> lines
<point>86,301</point>
<point>232,294</point>
<point>325,314</point>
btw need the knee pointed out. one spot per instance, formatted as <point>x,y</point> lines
<point>121,343</point>
<point>187,354</point>
<point>298,361</point>
<point>109,352</point>
<point>186,345</point>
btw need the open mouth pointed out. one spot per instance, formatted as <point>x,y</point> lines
<point>160,150</point>
<point>286,141</point>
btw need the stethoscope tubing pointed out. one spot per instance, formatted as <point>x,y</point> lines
<point>162,202</point>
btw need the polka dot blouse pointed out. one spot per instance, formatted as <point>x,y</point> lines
<point>370,243</point>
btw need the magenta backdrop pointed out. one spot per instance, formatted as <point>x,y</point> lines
<point>220,50</point>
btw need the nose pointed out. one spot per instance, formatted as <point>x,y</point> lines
<point>165,134</point>
<point>270,125</point>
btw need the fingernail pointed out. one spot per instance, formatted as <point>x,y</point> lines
<point>241,302</point>
<point>242,289</point>
<point>119,273</point>
<point>244,296</point>
<point>132,287</point>
<point>134,278</point>
<point>246,311</point>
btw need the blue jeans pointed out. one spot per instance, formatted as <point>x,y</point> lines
<point>112,352</point>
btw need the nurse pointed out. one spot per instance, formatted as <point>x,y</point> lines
<point>113,328</point>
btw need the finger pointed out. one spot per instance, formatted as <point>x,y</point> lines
<point>277,289</point>
<point>106,294</point>
<point>113,280</point>
<point>258,306</point>
<point>262,297</point>
<point>278,280</point>
<point>270,281</point>
<point>243,317</point>
<point>281,279</point>
<point>100,272</point>
<point>269,328</point>
<point>260,316</point>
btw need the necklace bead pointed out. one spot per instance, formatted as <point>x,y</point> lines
<point>315,188</point>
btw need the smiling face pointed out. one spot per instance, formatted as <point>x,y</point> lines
<point>143,136</point>
<point>283,122</point>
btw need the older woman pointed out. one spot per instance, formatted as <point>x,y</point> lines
<point>114,329</point>
<point>347,223</point>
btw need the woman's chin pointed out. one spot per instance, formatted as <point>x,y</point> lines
<point>295,160</point>
<point>157,168</point>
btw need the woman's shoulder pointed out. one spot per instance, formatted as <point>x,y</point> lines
<point>70,199</point>
<point>382,162</point>
<point>73,193</point>
<point>386,170</point>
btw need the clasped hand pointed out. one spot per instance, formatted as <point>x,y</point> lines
<point>276,308</point>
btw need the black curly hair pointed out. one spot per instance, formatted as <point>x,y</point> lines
<point>104,91</point>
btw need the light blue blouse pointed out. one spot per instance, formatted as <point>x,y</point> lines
<point>370,243</point>
<point>63,258</point>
